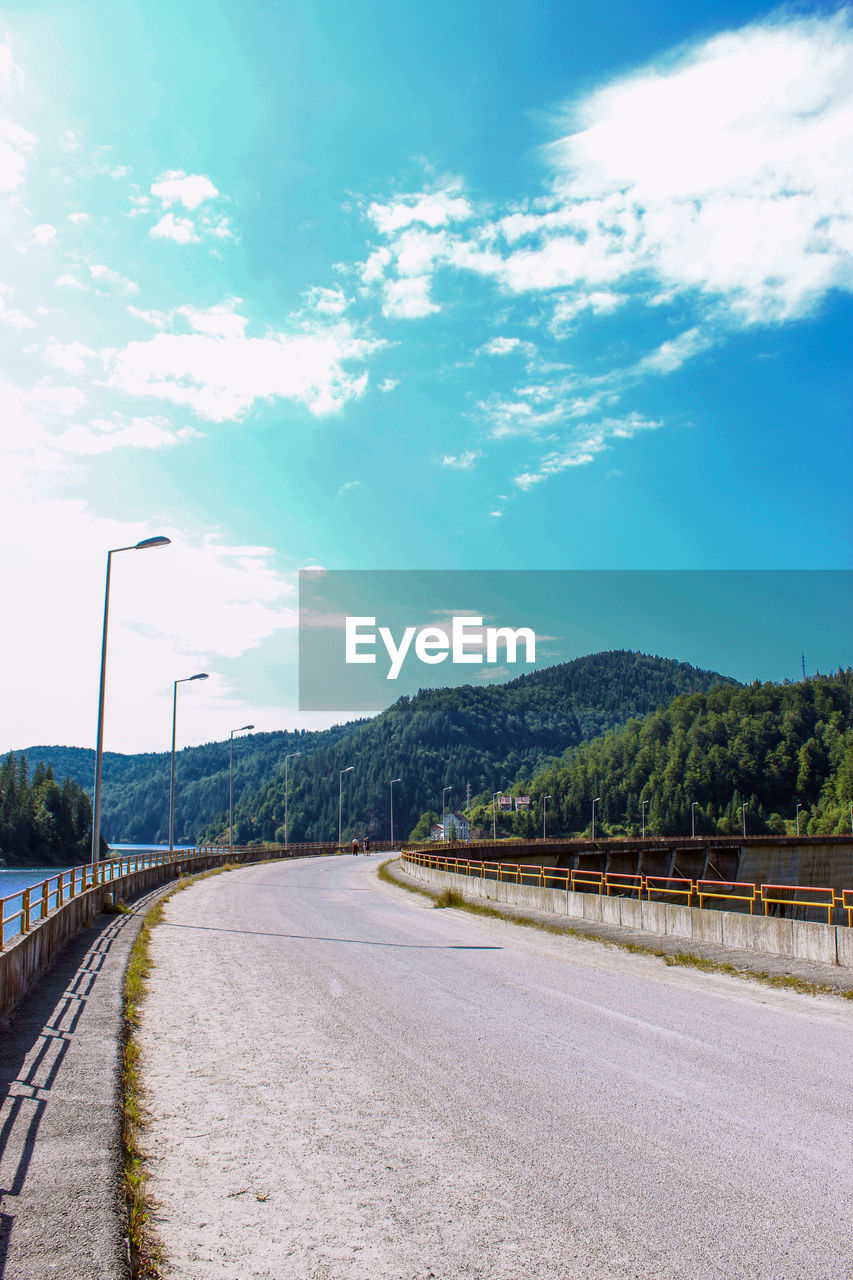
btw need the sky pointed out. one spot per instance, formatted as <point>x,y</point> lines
<point>523,286</point>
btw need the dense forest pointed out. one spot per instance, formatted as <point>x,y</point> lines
<point>135,788</point>
<point>770,747</point>
<point>488,736</point>
<point>625,727</point>
<point>41,820</point>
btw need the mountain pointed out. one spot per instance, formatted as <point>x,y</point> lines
<point>483,736</point>
<point>487,736</point>
<point>764,745</point>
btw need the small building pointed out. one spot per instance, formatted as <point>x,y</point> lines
<point>456,825</point>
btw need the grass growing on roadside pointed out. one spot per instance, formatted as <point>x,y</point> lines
<point>453,898</point>
<point>144,1248</point>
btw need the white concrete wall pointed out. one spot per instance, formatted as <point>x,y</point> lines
<point>799,939</point>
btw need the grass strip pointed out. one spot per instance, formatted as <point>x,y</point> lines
<point>145,1249</point>
<point>686,959</point>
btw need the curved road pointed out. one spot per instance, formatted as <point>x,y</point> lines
<point>348,1084</point>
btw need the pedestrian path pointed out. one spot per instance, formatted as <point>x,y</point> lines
<point>60,1120</point>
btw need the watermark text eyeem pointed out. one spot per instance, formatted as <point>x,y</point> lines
<point>465,640</point>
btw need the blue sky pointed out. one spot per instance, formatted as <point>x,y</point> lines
<point>540,286</point>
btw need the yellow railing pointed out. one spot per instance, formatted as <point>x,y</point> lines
<point>39,900</point>
<point>665,887</point>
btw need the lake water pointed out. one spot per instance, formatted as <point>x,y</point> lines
<point>14,880</point>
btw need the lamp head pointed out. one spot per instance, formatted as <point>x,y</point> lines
<point>159,541</point>
<point>202,675</point>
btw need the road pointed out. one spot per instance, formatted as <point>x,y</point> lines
<point>348,1084</point>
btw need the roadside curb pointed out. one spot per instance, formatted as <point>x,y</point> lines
<point>747,963</point>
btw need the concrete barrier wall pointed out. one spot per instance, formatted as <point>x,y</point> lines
<point>799,939</point>
<point>26,957</point>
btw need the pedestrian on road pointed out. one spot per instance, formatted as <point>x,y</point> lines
<point>355,846</point>
<point>366,844</point>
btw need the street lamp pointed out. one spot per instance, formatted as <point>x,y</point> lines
<point>391,794</point>
<point>231,784</point>
<point>643,819</point>
<point>159,541</point>
<point>291,756</point>
<point>495,794</point>
<point>596,801</point>
<point>545,800</point>
<point>693,820</point>
<point>743,813</point>
<point>201,675</point>
<point>799,807</point>
<point>443,811</point>
<point>348,769</point>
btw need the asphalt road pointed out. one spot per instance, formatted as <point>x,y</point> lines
<point>348,1084</point>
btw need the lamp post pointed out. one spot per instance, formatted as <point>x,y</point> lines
<point>799,807</point>
<point>693,820</point>
<point>643,819</point>
<point>231,784</point>
<point>545,800</point>
<point>159,541</point>
<point>291,756</point>
<point>443,811</point>
<point>495,794</point>
<point>596,801</point>
<point>201,675</point>
<point>743,814</point>
<point>348,769</point>
<point>391,794</point>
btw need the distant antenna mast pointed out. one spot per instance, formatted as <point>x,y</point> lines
<point>467,795</point>
<point>803,659</point>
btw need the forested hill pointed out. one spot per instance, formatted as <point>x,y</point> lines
<point>767,746</point>
<point>487,736</point>
<point>135,802</point>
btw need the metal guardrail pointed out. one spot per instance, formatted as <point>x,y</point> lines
<point>662,887</point>
<point>39,900</point>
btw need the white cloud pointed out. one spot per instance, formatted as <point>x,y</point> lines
<point>103,435</point>
<point>349,486</point>
<point>501,346</point>
<point>103,275</point>
<point>11,76</point>
<point>221,321</point>
<point>388,384</point>
<point>408,299</point>
<point>720,176</point>
<point>671,355</point>
<point>11,317</point>
<point>431,209</point>
<point>15,146</point>
<point>69,281</point>
<point>70,357</point>
<point>220,373</point>
<point>79,218</point>
<point>43,234</point>
<point>177,187</point>
<point>587,441</point>
<point>461,462</point>
<point>330,302</point>
<point>181,230</point>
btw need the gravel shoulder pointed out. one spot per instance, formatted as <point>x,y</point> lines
<point>345,1084</point>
